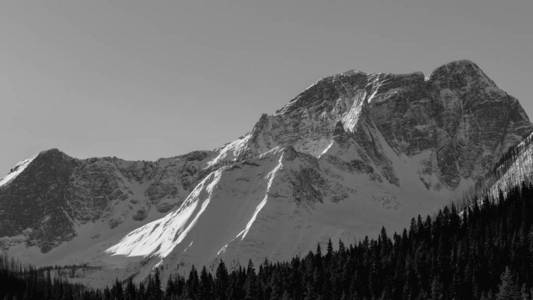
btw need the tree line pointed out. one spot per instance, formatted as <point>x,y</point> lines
<point>482,252</point>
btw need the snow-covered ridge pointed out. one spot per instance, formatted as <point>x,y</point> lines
<point>16,170</point>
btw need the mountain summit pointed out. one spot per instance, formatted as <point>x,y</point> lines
<point>350,154</point>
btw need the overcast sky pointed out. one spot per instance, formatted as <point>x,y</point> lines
<point>148,79</point>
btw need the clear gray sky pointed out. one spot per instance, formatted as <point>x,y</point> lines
<point>147,79</point>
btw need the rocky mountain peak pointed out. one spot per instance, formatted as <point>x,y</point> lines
<point>46,199</point>
<point>322,94</point>
<point>455,117</point>
<point>460,74</point>
<point>353,152</point>
<point>319,95</point>
<point>51,156</point>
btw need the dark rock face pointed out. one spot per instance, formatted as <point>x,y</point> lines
<point>35,201</point>
<point>458,118</point>
<point>55,193</point>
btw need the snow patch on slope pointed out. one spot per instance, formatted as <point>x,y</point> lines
<point>161,236</point>
<point>520,169</point>
<point>262,204</point>
<point>230,151</point>
<point>16,171</point>
<point>222,209</point>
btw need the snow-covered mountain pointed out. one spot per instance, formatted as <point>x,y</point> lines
<point>54,207</point>
<point>350,154</point>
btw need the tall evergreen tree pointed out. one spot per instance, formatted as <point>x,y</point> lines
<point>508,289</point>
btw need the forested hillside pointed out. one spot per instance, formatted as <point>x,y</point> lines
<point>485,252</point>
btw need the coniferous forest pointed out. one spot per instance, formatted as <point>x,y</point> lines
<point>482,252</point>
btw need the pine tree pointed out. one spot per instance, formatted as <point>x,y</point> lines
<point>117,291</point>
<point>221,283</point>
<point>193,283</point>
<point>508,290</point>
<point>206,285</point>
<point>251,285</point>
<point>436,290</point>
<point>524,293</point>
<point>130,290</point>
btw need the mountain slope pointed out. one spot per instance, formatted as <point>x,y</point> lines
<point>352,153</point>
<point>514,169</point>
<point>58,206</point>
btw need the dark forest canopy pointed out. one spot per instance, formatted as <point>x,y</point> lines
<point>483,252</point>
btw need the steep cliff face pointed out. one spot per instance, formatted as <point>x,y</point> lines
<point>350,154</point>
<point>458,118</point>
<point>33,203</point>
<point>52,198</point>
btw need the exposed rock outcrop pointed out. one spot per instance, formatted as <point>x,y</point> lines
<point>350,154</point>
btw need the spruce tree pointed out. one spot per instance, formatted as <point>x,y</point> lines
<point>508,290</point>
